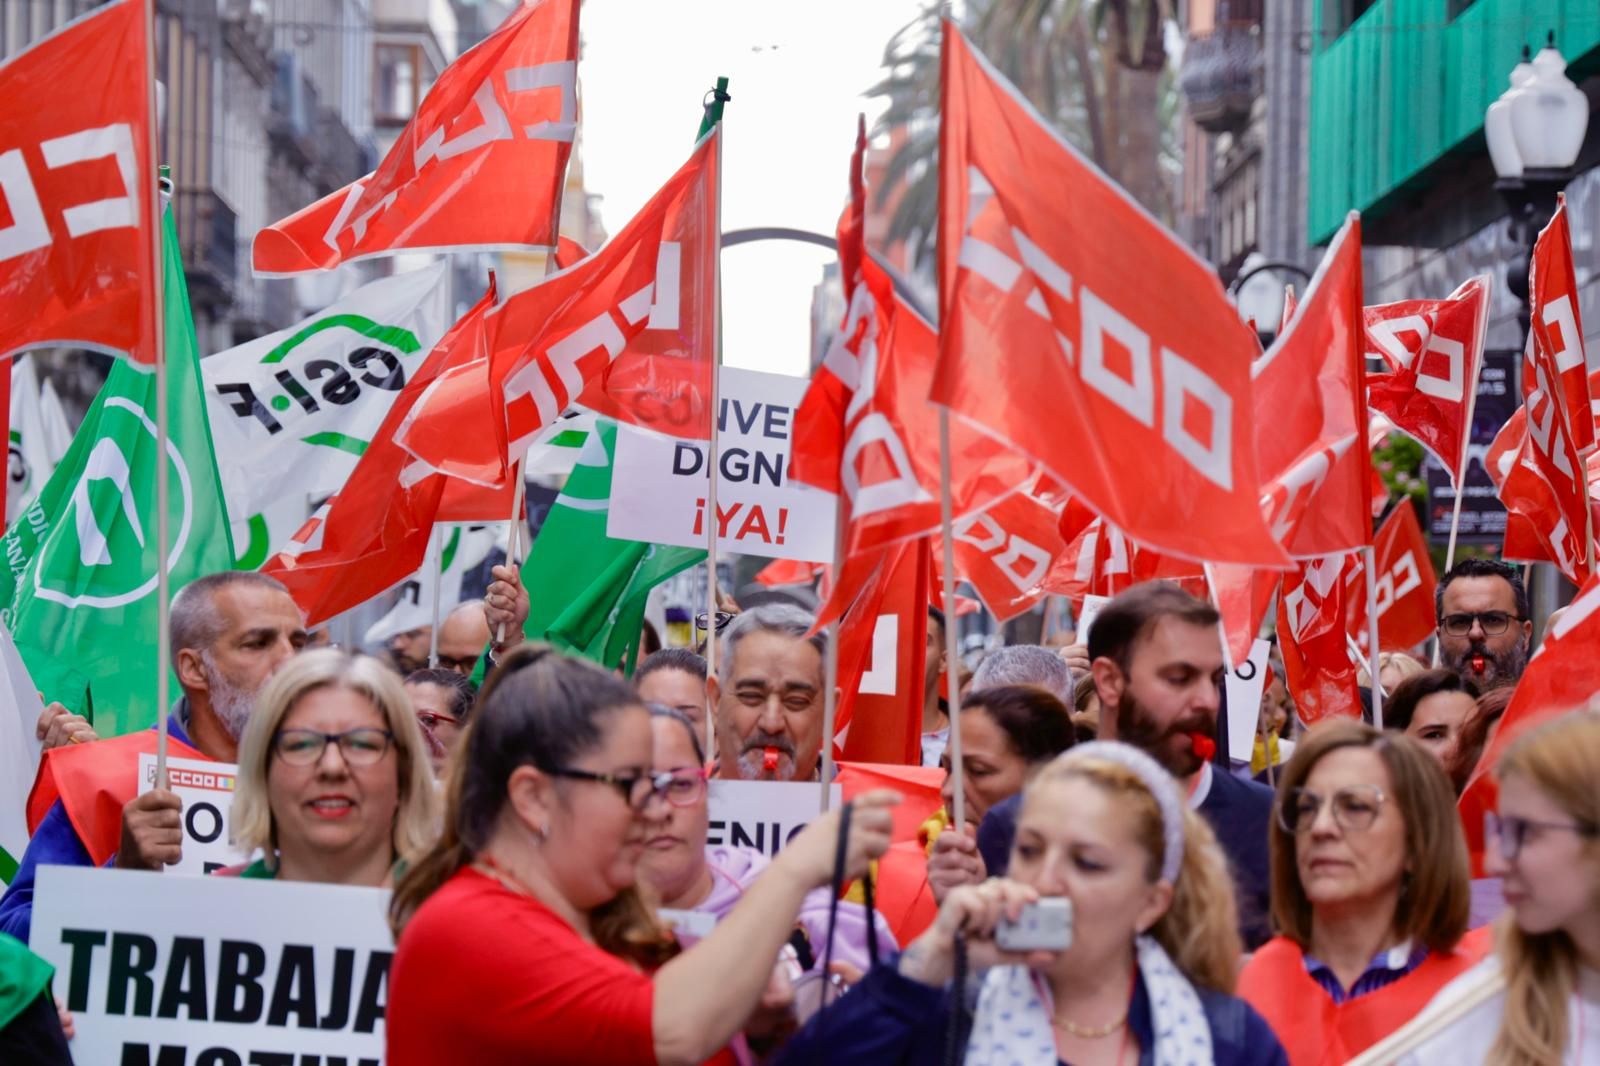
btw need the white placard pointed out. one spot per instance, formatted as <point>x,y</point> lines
<point>762,815</point>
<point>1086,617</point>
<point>1245,686</point>
<point>658,483</point>
<point>206,790</point>
<point>218,971</point>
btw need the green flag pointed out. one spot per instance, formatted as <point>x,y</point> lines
<point>80,574</point>
<point>588,591</point>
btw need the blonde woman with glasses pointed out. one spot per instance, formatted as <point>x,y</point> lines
<point>1536,1001</point>
<point>334,782</point>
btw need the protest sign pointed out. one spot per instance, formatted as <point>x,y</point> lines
<point>762,815</point>
<point>215,971</point>
<point>206,790</point>
<point>1244,686</point>
<point>1086,616</point>
<point>658,487</point>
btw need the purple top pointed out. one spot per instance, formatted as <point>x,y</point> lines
<point>1386,968</point>
<point>734,869</point>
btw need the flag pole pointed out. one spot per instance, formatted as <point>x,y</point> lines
<point>163,421</point>
<point>1461,466</point>
<point>437,539</point>
<point>1370,555</point>
<point>711,121</point>
<point>513,534</point>
<point>830,665</point>
<point>951,640</point>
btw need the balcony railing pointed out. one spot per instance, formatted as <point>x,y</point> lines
<point>208,238</point>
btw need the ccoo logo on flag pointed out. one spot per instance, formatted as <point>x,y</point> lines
<point>108,529</point>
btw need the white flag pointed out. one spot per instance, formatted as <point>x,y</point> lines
<point>292,412</point>
<point>19,754</point>
<point>30,463</point>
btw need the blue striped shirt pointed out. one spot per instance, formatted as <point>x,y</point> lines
<point>1385,969</point>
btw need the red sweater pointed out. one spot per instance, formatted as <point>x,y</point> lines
<point>487,976</point>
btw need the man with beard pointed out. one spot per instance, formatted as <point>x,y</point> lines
<point>229,631</point>
<point>1485,633</point>
<point>1156,659</point>
<point>768,696</point>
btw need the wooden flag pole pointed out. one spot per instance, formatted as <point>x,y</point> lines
<point>1372,635</point>
<point>513,537</point>
<point>952,642</point>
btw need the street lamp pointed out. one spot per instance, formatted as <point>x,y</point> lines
<point>1535,131</point>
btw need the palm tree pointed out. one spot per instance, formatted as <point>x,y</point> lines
<point>1097,69</point>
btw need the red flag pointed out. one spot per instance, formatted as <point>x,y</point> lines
<point>1540,477</point>
<point>788,572</point>
<point>1078,330</point>
<point>1311,419</point>
<point>1311,635</point>
<point>1405,586</point>
<point>1556,331</point>
<point>1005,553</point>
<point>1562,676</point>
<point>1434,350</point>
<point>76,190</point>
<point>1242,595</point>
<point>865,426</point>
<point>481,165</point>
<point>577,333</point>
<point>883,643</point>
<point>374,533</point>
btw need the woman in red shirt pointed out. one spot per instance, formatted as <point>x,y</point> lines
<point>521,936</point>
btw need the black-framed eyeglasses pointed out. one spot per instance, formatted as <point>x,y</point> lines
<point>723,618</point>
<point>1508,833</point>
<point>1494,623</point>
<point>1355,808</point>
<point>359,747</point>
<point>635,789</point>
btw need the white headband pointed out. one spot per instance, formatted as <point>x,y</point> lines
<point>1160,784</point>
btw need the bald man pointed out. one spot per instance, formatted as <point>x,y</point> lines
<point>463,636</point>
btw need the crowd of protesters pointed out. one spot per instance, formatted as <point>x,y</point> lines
<point>555,897</point>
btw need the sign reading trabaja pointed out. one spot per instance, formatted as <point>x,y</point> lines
<point>215,971</point>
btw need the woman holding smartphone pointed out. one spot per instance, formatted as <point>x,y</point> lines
<point>1144,976</point>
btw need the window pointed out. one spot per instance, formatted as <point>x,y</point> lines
<point>399,74</point>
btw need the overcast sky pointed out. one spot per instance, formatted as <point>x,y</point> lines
<point>797,74</point>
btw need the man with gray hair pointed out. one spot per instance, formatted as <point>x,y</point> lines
<point>229,631</point>
<point>1026,664</point>
<point>768,695</point>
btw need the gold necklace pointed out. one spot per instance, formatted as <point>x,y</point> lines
<point>1093,1032</point>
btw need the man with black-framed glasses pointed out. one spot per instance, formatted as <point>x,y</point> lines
<point>1485,632</point>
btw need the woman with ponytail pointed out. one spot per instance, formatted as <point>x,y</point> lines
<point>521,936</point>
<point>1536,1000</point>
<point>1146,980</point>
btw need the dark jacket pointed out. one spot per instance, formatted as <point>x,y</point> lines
<point>889,1020</point>
<point>1238,811</point>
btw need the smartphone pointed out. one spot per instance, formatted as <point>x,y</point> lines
<point>1042,926</point>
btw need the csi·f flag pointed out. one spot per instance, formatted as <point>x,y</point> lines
<point>76,189</point>
<point>587,591</point>
<point>80,574</point>
<point>293,411</point>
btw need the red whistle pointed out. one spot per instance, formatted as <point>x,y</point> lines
<point>1479,664</point>
<point>769,760</point>
<point>1203,745</point>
